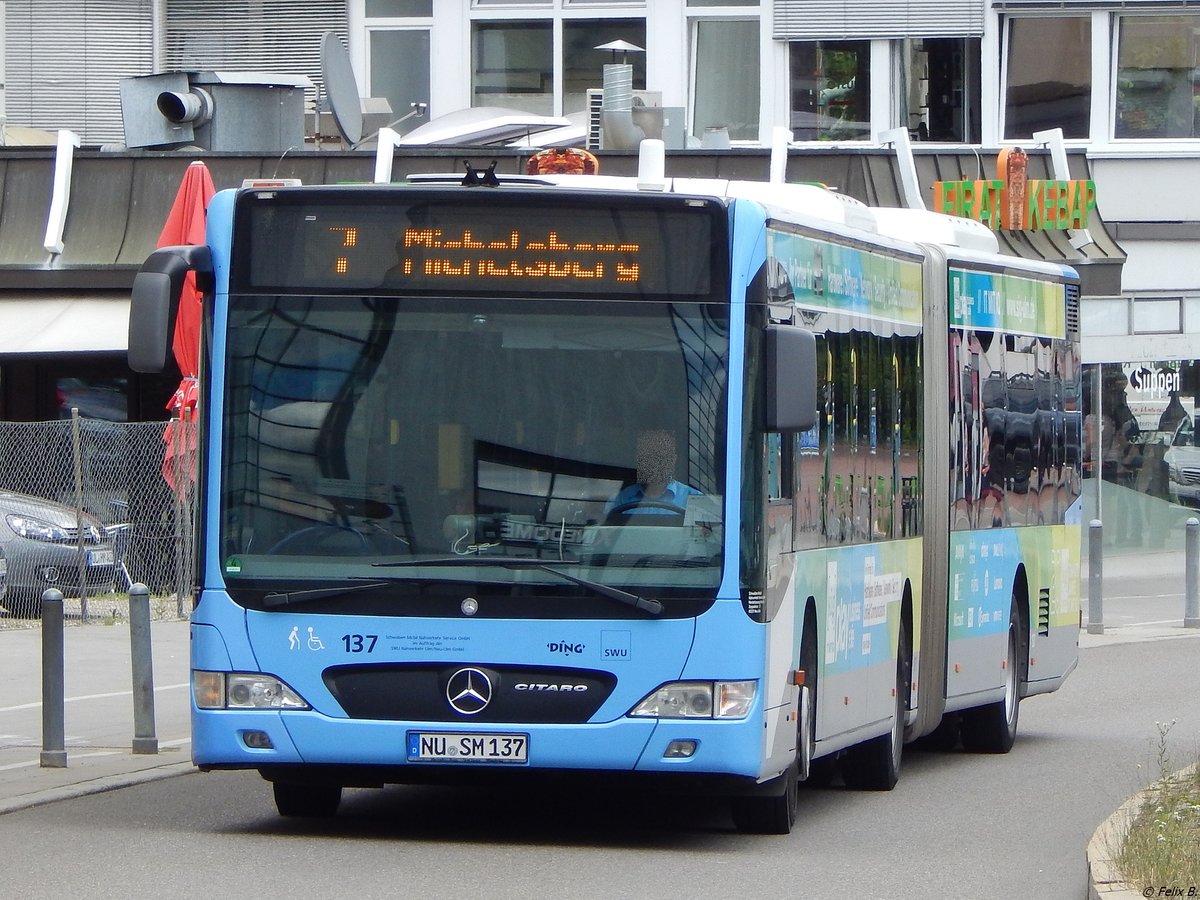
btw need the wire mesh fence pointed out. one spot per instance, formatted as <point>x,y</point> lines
<point>86,507</point>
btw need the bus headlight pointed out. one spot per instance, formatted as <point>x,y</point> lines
<point>699,700</point>
<point>243,690</point>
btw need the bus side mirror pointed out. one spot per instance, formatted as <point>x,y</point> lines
<point>791,378</point>
<point>154,303</point>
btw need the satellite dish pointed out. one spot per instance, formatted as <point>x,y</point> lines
<point>341,88</point>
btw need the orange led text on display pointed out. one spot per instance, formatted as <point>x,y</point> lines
<point>431,253</point>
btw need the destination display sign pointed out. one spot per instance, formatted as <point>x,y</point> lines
<point>487,242</point>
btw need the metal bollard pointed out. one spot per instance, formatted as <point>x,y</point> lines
<point>1095,577</point>
<point>144,739</point>
<point>54,752</point>
<point>1191,577</point>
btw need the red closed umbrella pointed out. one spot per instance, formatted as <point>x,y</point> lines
<point>185,225</point>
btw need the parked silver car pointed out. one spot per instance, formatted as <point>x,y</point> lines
<point>42,546</point>
<point>1183,465</point>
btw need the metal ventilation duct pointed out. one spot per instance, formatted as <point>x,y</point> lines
<point>248,112</point>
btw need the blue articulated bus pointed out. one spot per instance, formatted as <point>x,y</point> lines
<point>713,486</point>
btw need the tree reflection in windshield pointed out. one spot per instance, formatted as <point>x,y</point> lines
<point>367,429</point>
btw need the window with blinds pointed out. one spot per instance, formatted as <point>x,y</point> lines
<point>865,19</point>
<point>1089,5</point>
<point>278,36</point>
<point>64,62</point>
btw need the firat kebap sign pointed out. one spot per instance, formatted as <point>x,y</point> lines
<point>1015,202</point>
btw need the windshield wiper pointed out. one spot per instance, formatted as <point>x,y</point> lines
<point>650,605</point>
<point>645,604</point>
<point>308,595</point>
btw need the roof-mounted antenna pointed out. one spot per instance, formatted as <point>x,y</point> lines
<point>480,177</point>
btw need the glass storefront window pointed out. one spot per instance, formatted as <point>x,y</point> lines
<point>583,65</point>
<point>831,90</point>
<point>1049,76</point>
<point>1157,316</point>
<point>726,79</point>
<point>95,397</point>
<point>1142,442</point>
<point>513,65</point>
<point>1104,316</point>
<point>940,89</point>
<point>1157,74</point>
<point>400,72</point>
<point>386,9</point>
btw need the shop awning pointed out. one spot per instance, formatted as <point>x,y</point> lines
<point>33,324</point>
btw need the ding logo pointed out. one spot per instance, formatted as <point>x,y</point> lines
<point>469,691</point>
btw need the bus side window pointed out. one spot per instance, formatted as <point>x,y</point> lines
<point>781,477</point>
<point>780,489</point>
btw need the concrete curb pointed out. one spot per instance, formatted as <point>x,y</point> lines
<point>97,785</point>
<point>1135,634</point>
<point>1105,881</point>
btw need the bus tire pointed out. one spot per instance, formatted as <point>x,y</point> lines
<point>814,773</point>
<point>874,765</point>
<point>993,728</point>
<point>318,801</point>
<point>771,813</point>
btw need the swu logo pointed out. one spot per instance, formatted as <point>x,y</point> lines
<point>565,648</point>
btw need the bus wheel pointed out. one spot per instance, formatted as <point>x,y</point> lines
<point>769,813</point>
<point>993,728</point>
<point>307,800</point>
<point>874,765</point>
<point>814,773</point>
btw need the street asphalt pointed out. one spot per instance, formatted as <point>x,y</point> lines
<point>1142,600</point>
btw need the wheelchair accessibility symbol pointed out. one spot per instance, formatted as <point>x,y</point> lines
<point>314,642</point>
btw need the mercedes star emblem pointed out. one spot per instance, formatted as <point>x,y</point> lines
<point>469,691</point>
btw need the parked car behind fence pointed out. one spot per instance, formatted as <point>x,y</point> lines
<point>47,545</point>
<point>135,528</point>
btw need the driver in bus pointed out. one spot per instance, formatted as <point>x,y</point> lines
<point>656,492</point>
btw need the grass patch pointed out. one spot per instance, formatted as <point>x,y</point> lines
<point>1162,845</point>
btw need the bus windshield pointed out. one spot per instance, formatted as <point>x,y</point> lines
<point>531,448</point>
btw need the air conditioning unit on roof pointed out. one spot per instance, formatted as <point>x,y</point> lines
<point>657,121</point>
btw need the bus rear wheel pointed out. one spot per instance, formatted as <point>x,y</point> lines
<point>307,800</point>
<point>993,728</point>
